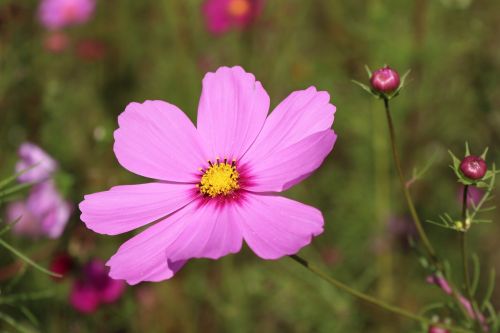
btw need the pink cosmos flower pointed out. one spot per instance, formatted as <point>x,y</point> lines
<point>44,213</point>
<point>41,164</point>
<point>217,181</point>
<point>57,14</point>
<point>222,15</point>
<point>94,288</point>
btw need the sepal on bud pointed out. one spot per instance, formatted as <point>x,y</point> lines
<point>377,93</point>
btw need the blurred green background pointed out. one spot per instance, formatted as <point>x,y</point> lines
<point>68,104</point>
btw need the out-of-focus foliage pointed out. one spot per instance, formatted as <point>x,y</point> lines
<point>67,102</point>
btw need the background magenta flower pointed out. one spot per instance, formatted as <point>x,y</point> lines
<point>43,213</point>
<point>223,15</point>
<point>94,287</point>
<point>84,297</point>
<point>217,180</point>
<point>42,165</point>
<point>57,14</point>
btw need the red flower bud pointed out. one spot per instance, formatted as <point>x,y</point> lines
<point>385,80</point>
<point>473,167</point>
<point>61,264</point>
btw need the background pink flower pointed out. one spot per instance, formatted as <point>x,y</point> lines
<point>223,15</point>
<point>57,14</point>
<point>217,180</point>
<point>43,213</point>
<point>42,165</point>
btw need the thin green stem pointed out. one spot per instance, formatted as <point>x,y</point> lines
<point>465,261</point>
<point>409,201</point>
<point>9,320</point>
<point>27,259</point>
<point>421,232</point>
<point>463,245</point>
<point>37,295</point>
<point>372,300</point>
<point>464,203</point>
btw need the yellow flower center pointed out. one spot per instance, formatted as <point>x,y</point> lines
<point>238,8</point>
<point>219,179</point>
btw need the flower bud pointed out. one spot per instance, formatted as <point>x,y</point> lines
<point>61,264</point>
<point>435,329</point>
<point>385,80</point>
<point>473,167</point>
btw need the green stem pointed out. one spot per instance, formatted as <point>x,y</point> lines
<point>421,232</point>
<point>423,236</point>
<point>463,245</point>
<point>27,259</point>
<point>409,201</point>
<point>373,300</point>
<point>34,296</point>
<point>465,261</point>
<point>9,320</point>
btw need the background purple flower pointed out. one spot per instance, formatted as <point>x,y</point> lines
<point>95,287</point>
<point>402,230</point>
<point>33,156</point>
<point>57,14</point>
<point>43,213</point>
<point>223,15</point>
<point>474,195</point>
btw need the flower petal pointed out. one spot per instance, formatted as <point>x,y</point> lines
<point>210,232</point>
<point>285,168</point>
<point>143,258</point>
<point>157,140</point>
<point>298,116</point>
<point>199,230</point>
<point>127,207</point>
<point>275,226</point>
<point>233,108</point>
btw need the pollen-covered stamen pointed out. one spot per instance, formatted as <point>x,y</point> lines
<point>220,179</point>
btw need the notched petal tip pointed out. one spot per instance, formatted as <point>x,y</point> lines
<point>237,70</point>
